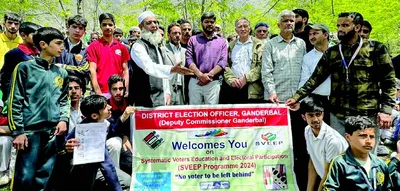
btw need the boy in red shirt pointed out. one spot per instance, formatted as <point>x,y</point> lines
<point>106,57</point>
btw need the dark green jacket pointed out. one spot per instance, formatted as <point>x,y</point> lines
<point>38,94</point>
<point>394,170</point>
<point>371,86</point>
<point>345,173</point>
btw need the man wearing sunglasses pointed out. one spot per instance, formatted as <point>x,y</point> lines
<point>150,75</point>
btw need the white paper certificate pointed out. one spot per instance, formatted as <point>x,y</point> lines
<point>92,138</point>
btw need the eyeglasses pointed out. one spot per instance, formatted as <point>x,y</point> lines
<point>149,22</point>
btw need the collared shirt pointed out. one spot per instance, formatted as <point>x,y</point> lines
<point>142,59</point>
<point>323,148</point>
<point>370,72</point>
<point>70,45</point>
<point>178,58</point>
<point>75,117</point>
<point>241,57</point>
<point>206,53</point>
<point>281,66</point>
<point>6,45</point>
<point>109,58</point>
<point>310,61</point>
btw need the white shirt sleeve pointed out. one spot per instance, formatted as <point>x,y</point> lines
<point>305,72</point>
<point>142,59</point>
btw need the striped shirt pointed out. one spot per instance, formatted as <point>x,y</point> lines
<point>281,66</point>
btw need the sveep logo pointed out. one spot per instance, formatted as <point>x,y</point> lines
<point>274,140</point>
<point>268,136</point>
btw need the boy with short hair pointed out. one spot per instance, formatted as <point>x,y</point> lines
<point>357,168</point>
<point>323,142</point>
<point>24,52</point>
<point>119,36</point>
<point>38,112</point>
<point>96,109</point>
<point>106,57</point>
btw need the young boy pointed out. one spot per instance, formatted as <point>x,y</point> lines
<point>38,112</point>
<point>24,52</point>
<point>357,168</point>
<point>82,177</point>
<point>119,36</point>
<point>323,142</point>
<point>106,57</point>
<point>74,54</point>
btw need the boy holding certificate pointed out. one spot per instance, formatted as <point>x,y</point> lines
<point>96,110</point>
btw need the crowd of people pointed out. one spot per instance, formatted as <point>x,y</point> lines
<point>340,94</point>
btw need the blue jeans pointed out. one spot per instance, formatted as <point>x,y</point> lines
<point>34,165</point>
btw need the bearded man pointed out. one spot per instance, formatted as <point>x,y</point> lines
<point>150,75</point>
<point>206,55</point>
<point>359,70</point>
<point>9,39</point>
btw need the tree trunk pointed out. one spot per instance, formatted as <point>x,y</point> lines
<point>185,9</point>
<point>203,5</point>
<point>96,14</point>
<point>79,7</point>
<point>64,14</point>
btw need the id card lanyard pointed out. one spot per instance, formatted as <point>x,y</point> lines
<point>351,60</point>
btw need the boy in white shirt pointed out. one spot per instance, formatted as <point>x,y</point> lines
<point>323,142</point>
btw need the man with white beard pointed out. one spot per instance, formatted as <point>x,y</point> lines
<point>150,77</point>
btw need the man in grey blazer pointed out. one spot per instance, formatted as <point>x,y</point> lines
<point>173,54</point>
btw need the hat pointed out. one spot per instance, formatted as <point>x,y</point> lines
<point>134,29</point>
<point>1,103</point>
<point>317,27</point>
<point>144,15</point>
<point>261,24</point>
